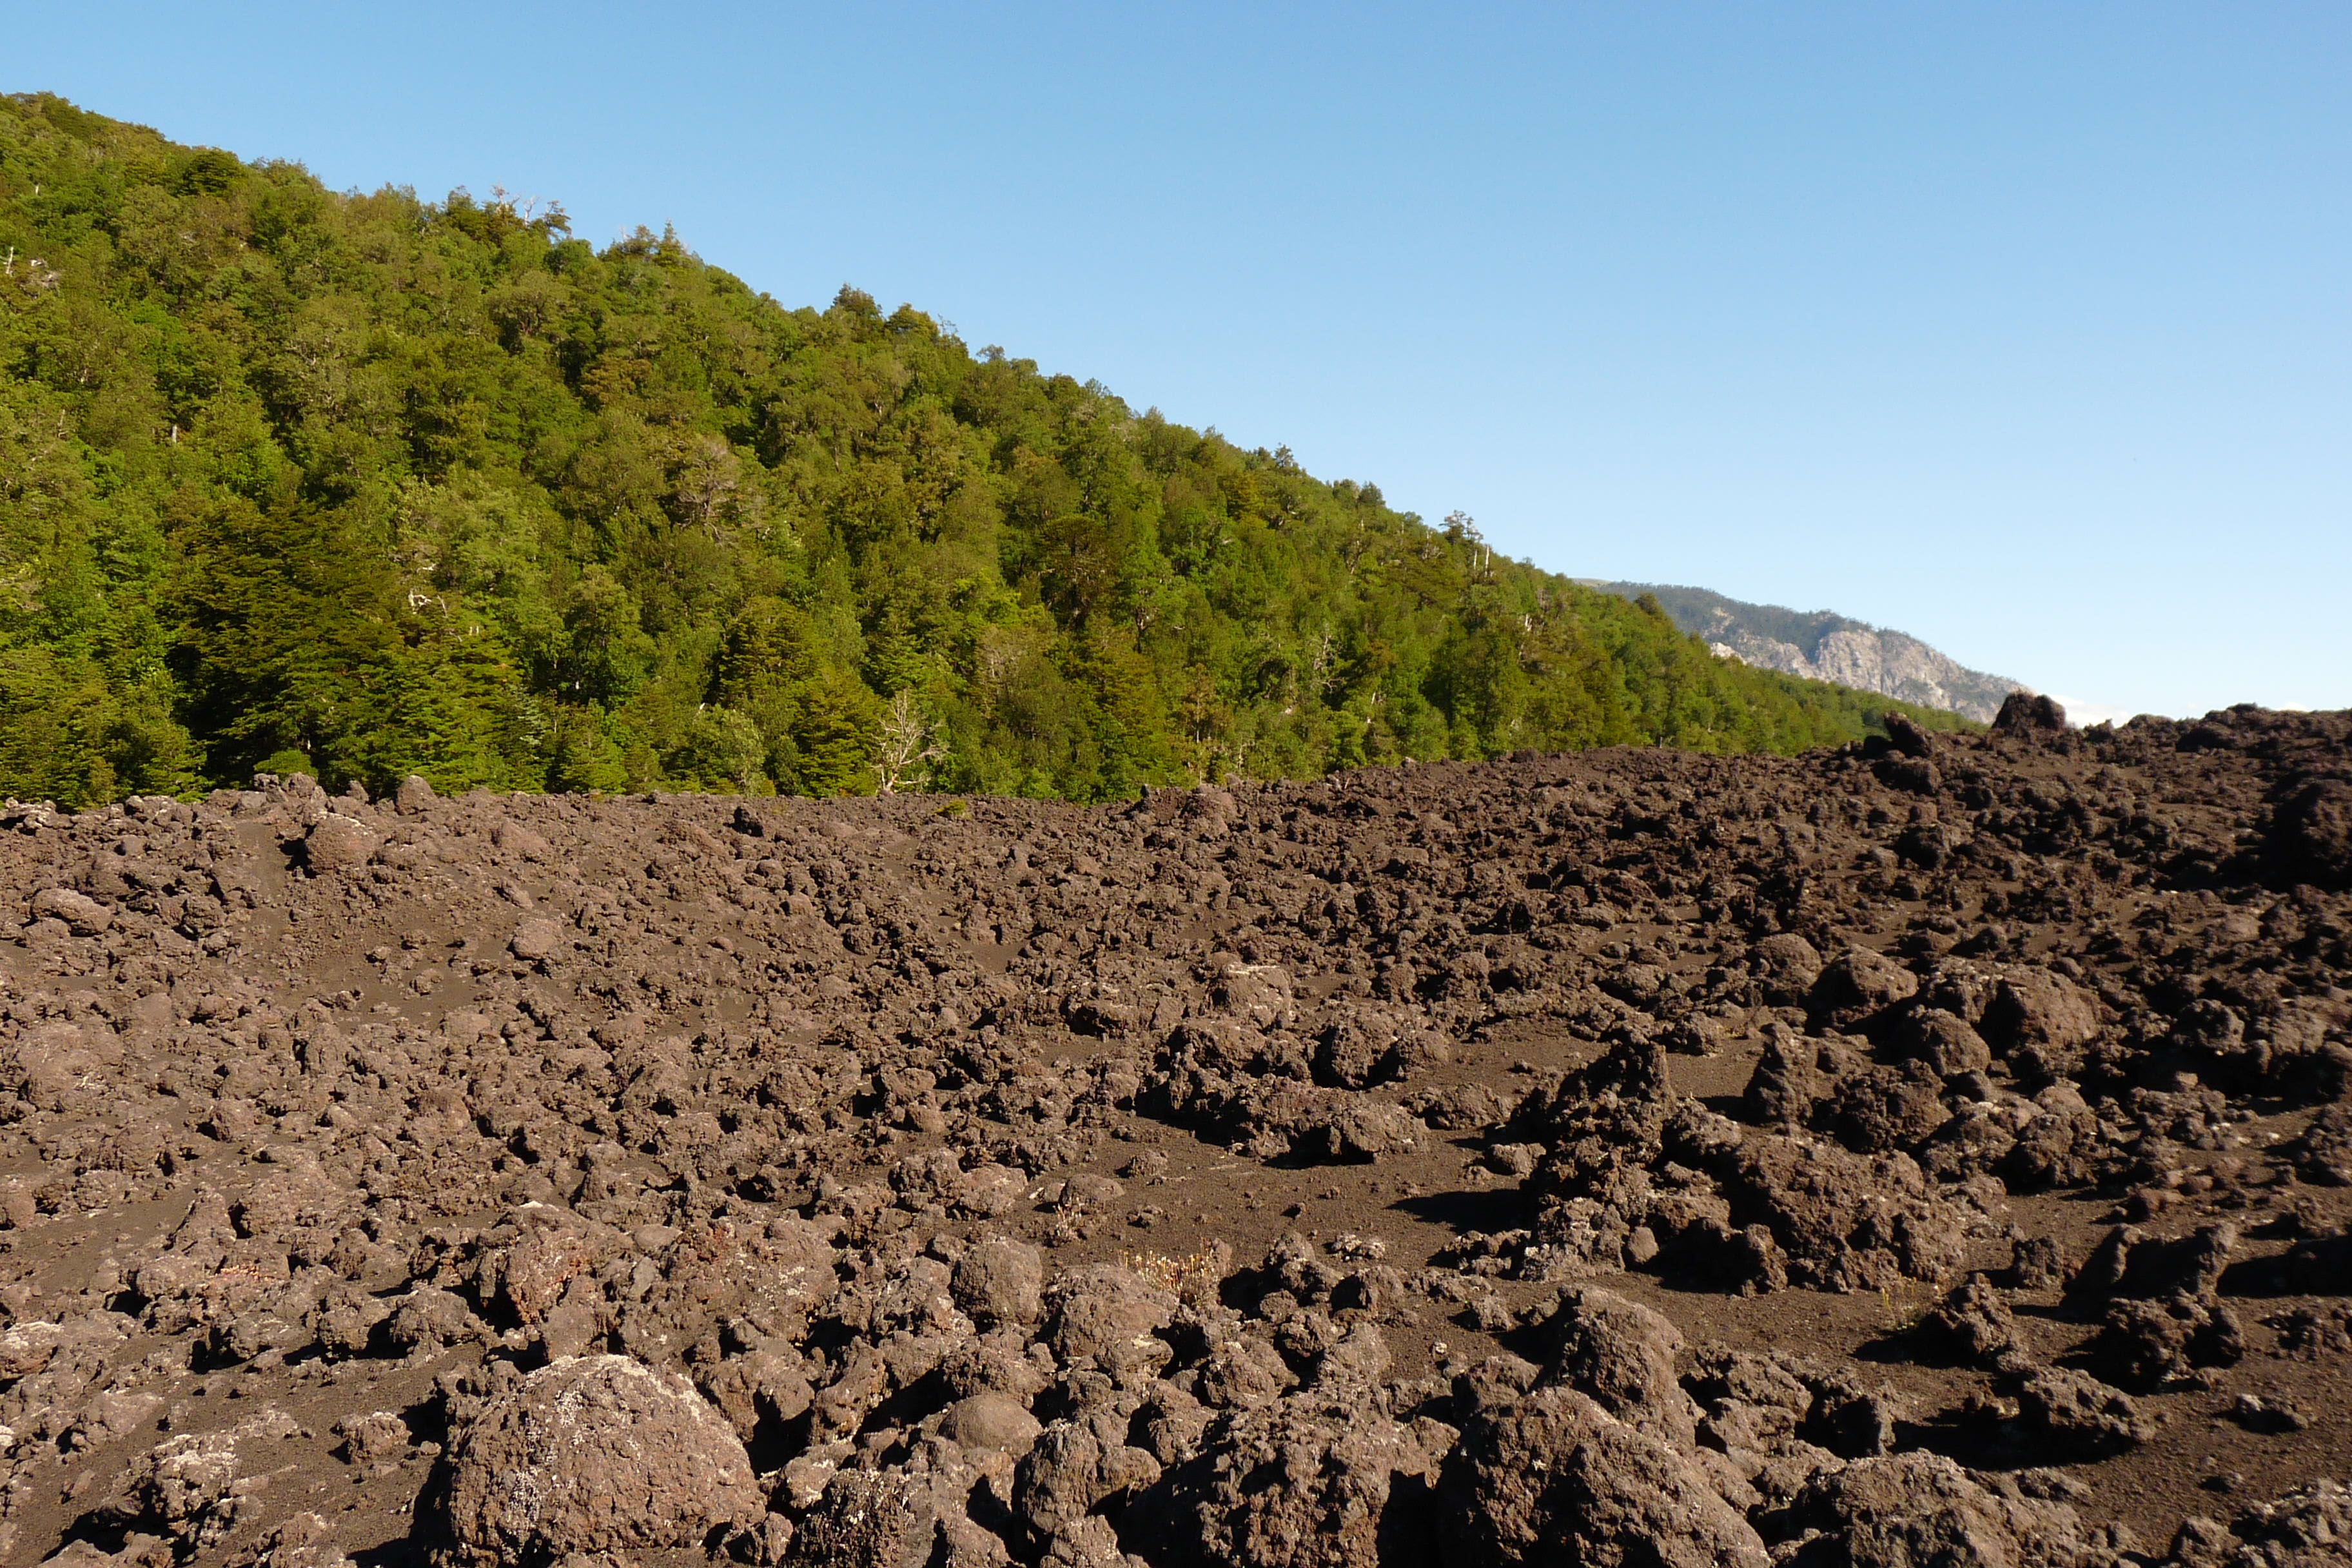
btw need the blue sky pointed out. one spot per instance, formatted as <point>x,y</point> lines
<point>2023,328</point>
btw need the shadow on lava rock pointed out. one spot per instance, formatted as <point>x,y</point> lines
<point>1464,1210</point>
<point>2315,1266</point>
<point>1980,1442</point>
<point>402,1551</point>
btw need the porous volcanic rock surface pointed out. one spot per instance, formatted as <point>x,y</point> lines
<point>1935,1152</point>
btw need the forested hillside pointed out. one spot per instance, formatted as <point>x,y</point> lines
<point>365,485</point>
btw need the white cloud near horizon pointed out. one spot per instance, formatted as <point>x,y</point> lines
<point>2082,713</point>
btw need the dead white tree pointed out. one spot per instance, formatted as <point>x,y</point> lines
<point>907,748</point>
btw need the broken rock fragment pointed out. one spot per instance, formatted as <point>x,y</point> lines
<point>1553,1477</point>
<point>596,1454</point>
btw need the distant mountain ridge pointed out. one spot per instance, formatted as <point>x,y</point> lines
<point>1820,645</point>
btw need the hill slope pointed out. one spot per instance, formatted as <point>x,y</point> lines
<point>362,485</point>
<point>1821,646</point>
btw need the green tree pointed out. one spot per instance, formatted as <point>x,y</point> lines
<point>372,485</point>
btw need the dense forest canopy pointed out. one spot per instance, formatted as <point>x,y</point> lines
<point>363,485</point>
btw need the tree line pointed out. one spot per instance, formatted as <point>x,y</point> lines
<point>363,485</point>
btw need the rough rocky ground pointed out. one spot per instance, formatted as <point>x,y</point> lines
<point>1932,1153</point>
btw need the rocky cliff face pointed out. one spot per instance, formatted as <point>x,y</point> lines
<point>1820,645</point>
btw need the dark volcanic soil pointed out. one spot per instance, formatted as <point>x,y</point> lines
<point>1933,1155</point>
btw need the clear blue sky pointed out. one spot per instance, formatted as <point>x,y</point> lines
<point>2022,328</point>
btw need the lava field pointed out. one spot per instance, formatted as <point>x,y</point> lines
<point>1936,1153</point>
